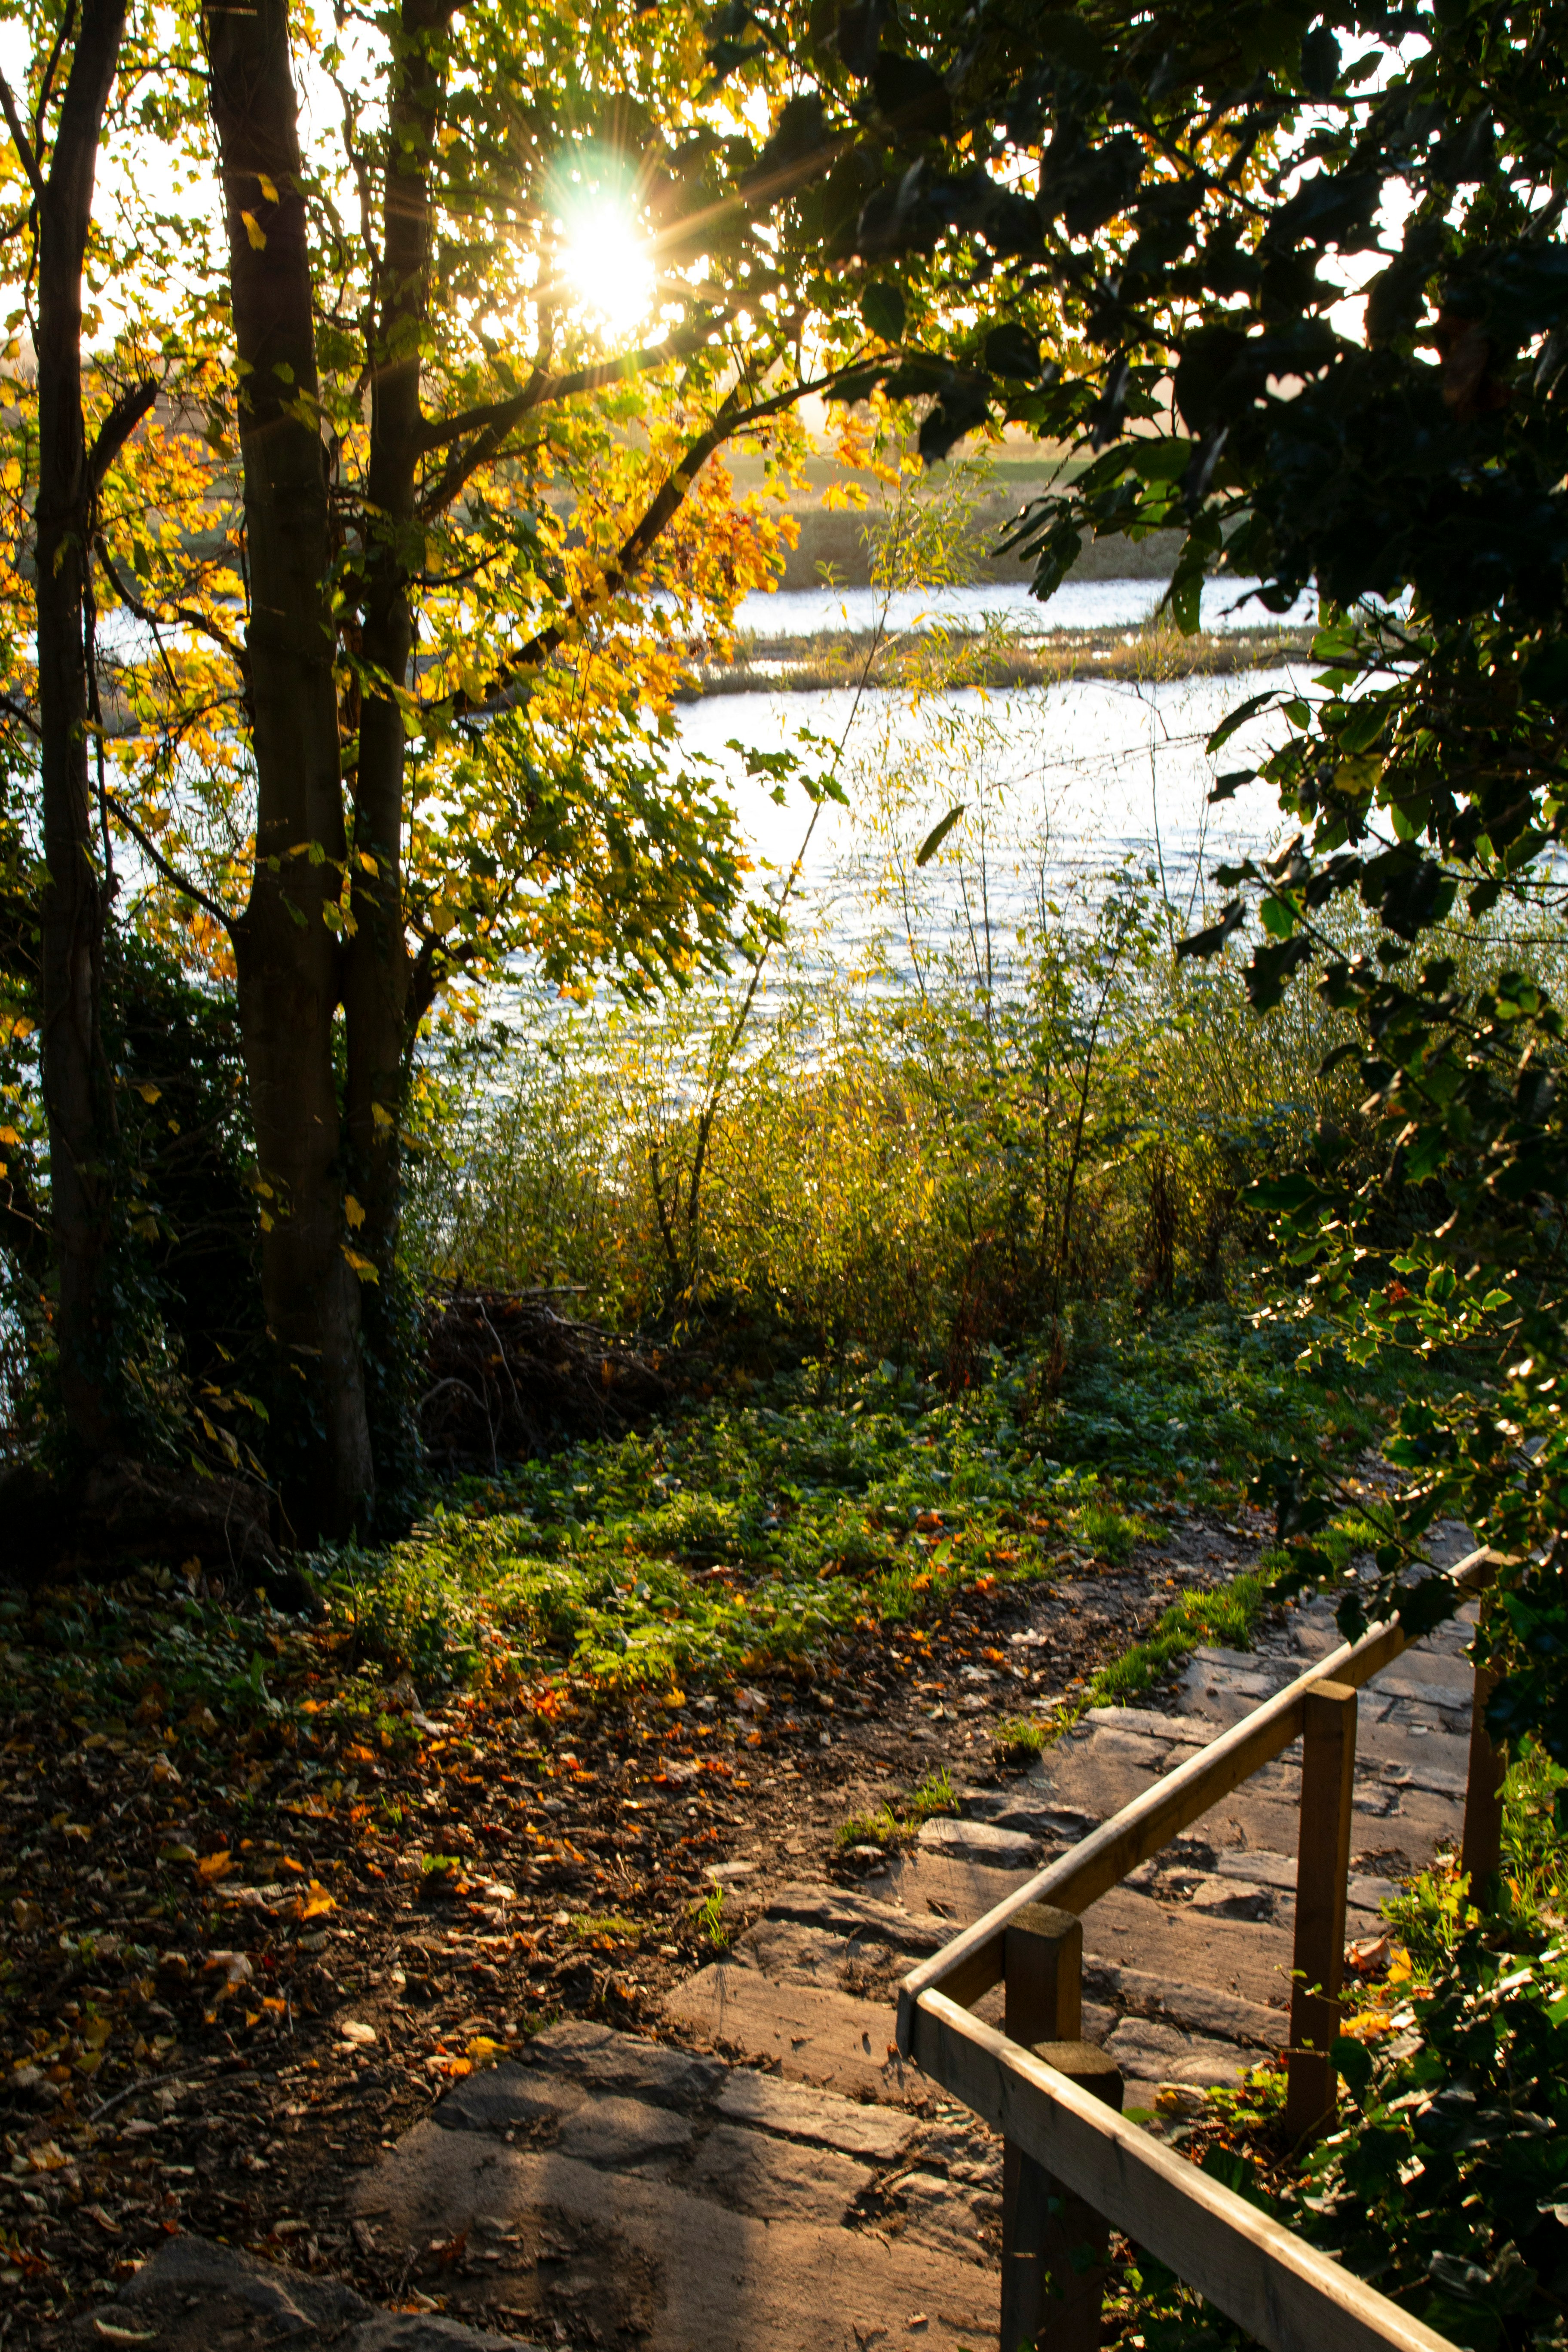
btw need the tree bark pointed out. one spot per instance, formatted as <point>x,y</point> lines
<point>376,954</point>
<point>76,1092</point>
<point>287,950</point>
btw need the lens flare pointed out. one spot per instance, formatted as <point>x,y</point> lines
<point>608,264</point>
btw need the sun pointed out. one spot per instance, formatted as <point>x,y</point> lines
<point>608,263</point>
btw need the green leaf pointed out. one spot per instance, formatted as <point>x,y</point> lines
<point>938,835</point>
<point>882,309</point>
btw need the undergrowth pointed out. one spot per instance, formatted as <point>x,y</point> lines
<point>763,1524</point>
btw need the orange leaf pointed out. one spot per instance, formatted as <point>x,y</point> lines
<point>214,1866</point>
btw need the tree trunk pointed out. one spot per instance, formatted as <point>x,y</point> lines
<point>376,956</point>
<point>287,948</point>
<point>75,1091</point>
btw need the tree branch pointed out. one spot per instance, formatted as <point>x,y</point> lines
<point>116,429</point>
<point>185,613</point>
<point>171,874</point>
<point>21,714</point>
<point>541,389</point>
<point>23,145</point>
<point>638,542</point>
<point>47,83</point>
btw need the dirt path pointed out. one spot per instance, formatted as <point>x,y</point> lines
<point>780,2179</point>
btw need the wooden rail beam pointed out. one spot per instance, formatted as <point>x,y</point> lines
<point>973,1961</point>
<point>1284,2293</point>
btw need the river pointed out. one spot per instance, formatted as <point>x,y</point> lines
<point>1062,785</point>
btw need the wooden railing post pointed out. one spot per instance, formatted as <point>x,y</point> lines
<point>1480,1852</point>
<point>1075,2240</point>
<point>1322,1867</point>
<point>1042,1971</point>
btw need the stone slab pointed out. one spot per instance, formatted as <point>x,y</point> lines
<point>1185,1730</point>
<point>847,1911</point>
<point>1224,2016</point>
<point>778,2180</point>
<point>506,2097</point>
<point>603,2059</point>
<point>796,2111</point>
<point>611,2131</point>
<point>949,1889</point>
<point>792,1954</point>
<point>1147,2050</point>
<point>1249,1958</point>
<point>979,1841</point>
<point>712,2277</point>
<point>811,2034</point>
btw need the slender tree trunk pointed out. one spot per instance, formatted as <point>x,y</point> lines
<point>286,950</point>
<point>376,983</point>
<point>80,1114</point>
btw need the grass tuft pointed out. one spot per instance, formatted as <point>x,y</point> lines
<point>886,1828</point>
<point>1225,1617</point>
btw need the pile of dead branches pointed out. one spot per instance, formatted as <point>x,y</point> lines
<point>510,1374</point>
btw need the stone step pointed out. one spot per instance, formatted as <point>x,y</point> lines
<point>688,2205</point>
<point>982,1842</point>
<point>812,2034</point>
<point>744,2238</point>
<point>1224,2016</point>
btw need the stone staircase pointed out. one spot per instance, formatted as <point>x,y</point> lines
<point>774,2178</point>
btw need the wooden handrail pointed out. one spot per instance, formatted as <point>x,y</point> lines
<point>973,1962</point>
<point>1283,2292</point>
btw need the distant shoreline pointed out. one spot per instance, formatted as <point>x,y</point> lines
<point>949,659</point>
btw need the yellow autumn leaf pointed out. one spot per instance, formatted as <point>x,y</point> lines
<point>381,1115</point>
<point>214,1866</point>
<point>9,1135</point>
<point>362,1265</point>
<point>317,1903</point>
<point>368,862</point>
<point>352,1211</point>
<point>268,187</point>
<point>96,2032</point>
<point>254,232</point>
<point>149,1092</point>
<point>483,2050</point>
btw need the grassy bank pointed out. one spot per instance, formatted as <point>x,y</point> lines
<point>939,659</point>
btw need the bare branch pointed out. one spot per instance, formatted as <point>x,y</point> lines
<point>21,714</point>
<point>47,81</point>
